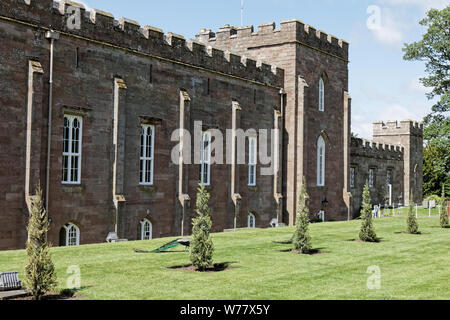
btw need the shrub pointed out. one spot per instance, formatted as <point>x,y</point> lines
<point>40,270</point>
<point>302,239</point>
<point>412,225</point>
<point>367,233</point>
<point>443,210</point>
<point>202,248</point>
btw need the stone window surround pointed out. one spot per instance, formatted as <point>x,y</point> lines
<point>252,161</point>
<point>69,153</point>
<point>143,181</point>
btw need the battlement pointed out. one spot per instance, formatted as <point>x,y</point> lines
<point>408,127</point>
<point>373,149</point>
<point>102,28</point>
<point>267,34</point>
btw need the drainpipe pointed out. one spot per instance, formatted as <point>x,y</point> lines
<point>52,36</point>
<point>281,156</point>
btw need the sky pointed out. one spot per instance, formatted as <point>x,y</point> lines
<point>382,85</point>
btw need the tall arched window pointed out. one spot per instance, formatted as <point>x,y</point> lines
<point>71,161</point>
<point>321,162</point>
<point>147,154</point>
<point>251,221</point>
<point>321,95</point>
<point>146,230</point>
<point>69,235</point>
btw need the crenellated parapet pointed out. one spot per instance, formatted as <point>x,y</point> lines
<point>268,34</point>
<point>405,127</point>
<point>102,28</point>
<point>373,149</point>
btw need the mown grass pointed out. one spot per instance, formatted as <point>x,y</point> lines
<point>412,266</point>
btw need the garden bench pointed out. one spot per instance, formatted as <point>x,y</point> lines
<point>9,281</point>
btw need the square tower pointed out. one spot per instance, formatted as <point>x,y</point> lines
<point>408,134</point>
<point>317,106</point>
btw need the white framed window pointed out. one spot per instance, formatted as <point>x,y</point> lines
<point>146,230</point>
<point>70,235</point>
<point>147,153</point>
<point>252,160</point>
<point>251,221</point>
<point>371,178</point>
<point>321,162</point>
<point>321,95</point>
<point>352,177</point>
<point>72,139</point>
<point>205,159</point>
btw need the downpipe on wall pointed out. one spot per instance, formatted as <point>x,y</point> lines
<point>52,36</point>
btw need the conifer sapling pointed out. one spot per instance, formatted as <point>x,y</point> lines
<point>202,247</point>
<point>367,233</point>
<point>40,270</point>
<point>443,210</point>
<point>302,238</point>
<point>412,225</point>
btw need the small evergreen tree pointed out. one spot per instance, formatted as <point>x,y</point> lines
<point>443,210</point>
<point>202,247</point>
<point>302,239</point>
<point>40,270</point>
<point>367,233</point>
<point>412,225</point>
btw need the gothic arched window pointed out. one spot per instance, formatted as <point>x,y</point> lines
<point>321,95</point>
<point>69,235</point>
<point>321,162</point>
<point>146,230</point>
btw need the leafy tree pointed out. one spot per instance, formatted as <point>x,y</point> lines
<point>202,247</point>
<point>443,211</point>
<point>436,166</point>
<point>434,50</point>
<point>40,270</point>
<point>302,239</point>
<point>367,233</point>
<point>412,225</point>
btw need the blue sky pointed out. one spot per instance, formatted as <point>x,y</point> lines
<point>382,85</point>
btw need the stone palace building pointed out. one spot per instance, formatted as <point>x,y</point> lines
<point>91,108</point>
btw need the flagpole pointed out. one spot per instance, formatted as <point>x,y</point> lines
<point>242,13</point>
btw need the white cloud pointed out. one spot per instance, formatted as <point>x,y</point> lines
<point>399,17</point>
<point>362,122</point>
<point>415,86</point>
<point>389,29</point>
<point>422,4</point>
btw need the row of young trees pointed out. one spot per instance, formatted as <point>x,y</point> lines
<point>368,234</point>
<point>40,270</point>
<point>302,238</point>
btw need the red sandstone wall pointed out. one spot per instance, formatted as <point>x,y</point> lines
<point>88,89</point>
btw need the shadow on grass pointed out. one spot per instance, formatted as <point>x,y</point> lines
<point>64,294</point>
<point>217,267</point>
<point>283,242</point>
<point>378,240</point>
<point>312,252</point>
<point>413,234</point>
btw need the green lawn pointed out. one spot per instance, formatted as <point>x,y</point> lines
<point>412,267</point>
